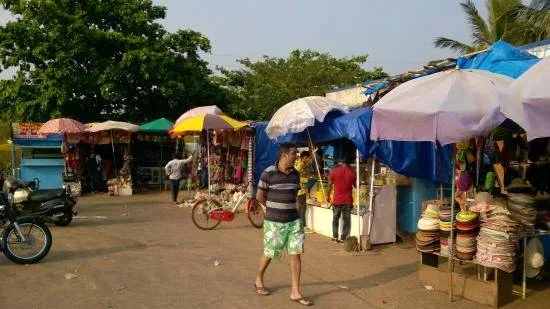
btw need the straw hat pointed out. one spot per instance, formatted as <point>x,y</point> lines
<point>534,258</point>
<point>519,185</point>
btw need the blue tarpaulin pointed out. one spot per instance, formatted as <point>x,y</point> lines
<point>265,150</point>
<point>424,160</point>
<point>502,58</point>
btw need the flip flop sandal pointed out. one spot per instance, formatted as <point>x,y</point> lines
<point>261,290</point>
<point>302,301</point>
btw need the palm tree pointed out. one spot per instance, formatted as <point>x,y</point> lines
<point>508,20</point>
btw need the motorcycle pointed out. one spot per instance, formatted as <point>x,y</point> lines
<point>26,239</point>
<point>56,205</point>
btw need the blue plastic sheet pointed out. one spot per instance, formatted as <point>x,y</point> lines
<point>502,58</point>
<point>424,160</point>
<point>265,151</point>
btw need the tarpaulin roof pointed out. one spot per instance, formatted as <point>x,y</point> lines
<point>265,150</point>
<point>161,125</point>
<point>502,58</point>
<point>416,159</point>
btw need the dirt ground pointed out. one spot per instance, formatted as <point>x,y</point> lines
<point>143,252</point>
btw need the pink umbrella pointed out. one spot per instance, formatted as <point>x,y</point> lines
<point>210,109</point>
<point>62,126</point>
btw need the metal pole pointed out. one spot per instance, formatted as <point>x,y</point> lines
<point>451,240</point>
<point>13,159</point>
<point>249,170</point>
<point>317,166</point>
<point>208,159</point>
<point>357,195</point>
<point>371,195</point>
<point>161,178</point>
<point>114,158</point>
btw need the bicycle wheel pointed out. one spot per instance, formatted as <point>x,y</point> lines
<point>201,214</point>
<point>37,244</point>
<point>255,213</point>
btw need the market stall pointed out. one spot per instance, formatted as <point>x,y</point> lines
<point>479,242</point>
<point>155,149</point>
<point>109,160</point>
<point>41,158</point>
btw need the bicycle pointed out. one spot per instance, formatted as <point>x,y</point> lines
<point>209,211</point>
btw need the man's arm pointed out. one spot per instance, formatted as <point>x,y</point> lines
<point>261,196</point>
<point>168,168</point>
<point>185,161</point>
<point>327,193</point>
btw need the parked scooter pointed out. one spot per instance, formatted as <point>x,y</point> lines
<point>25,240</point>
<point>56,205</point>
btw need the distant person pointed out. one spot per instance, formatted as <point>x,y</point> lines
<point>174,171</point>
<point>343,178</point>
<point>303,166</point>
<point>283,230</point>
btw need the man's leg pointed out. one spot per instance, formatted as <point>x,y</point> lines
<point>336,211</point>
<point>347,221</point>
<point>264,262</point>
<point>295,272</point>
<point>175,185</point>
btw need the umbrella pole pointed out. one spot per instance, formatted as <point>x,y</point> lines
<point>161,178</point>
<point>357,195</point>
<point>208,159</point>
<point>317,166</point>
<point>451,240</point>
<point>113,147</point>
<point>371,196</point>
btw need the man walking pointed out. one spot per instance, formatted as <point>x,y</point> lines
<point>343,179</point>
<point>174,170</point>
<point>277,190</point>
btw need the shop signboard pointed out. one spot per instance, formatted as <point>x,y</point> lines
<point>26,130</point>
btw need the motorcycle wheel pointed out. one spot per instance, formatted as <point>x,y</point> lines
<point>35,248</point>
<point>65,220</point>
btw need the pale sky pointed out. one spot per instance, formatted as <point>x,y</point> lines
<point>397,34</point>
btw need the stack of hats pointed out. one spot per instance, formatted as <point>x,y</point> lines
<point>522,204</point>
<point>496,243</point>
<point>427,237</point>
<point>523,208</point>
<point>467,228</point>
<point>543,210</point>
<point>445,227</point>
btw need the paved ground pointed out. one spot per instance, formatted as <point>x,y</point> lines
<point>142,252</point>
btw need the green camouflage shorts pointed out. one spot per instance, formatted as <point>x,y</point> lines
<point>279,235</point>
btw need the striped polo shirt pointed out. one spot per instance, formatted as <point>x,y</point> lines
<point>281,192</point>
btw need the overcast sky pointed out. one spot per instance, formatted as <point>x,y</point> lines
<point>397,34</point>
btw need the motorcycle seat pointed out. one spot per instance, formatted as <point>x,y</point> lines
<point>44,195</point>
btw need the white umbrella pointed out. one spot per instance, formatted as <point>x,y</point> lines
<point>296,116</point>
<point>113,125</point>
<point>527,100</point>
<point>201,110</point>
<point>446,107</point>
<point>110,126</point>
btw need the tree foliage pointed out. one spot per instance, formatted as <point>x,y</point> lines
<point>508,20</point>
<point>261,87</point>
<point>95,60</point>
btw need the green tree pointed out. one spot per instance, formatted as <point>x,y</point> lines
<point>258,89</point>
<point>95,60</point>
<point>508,20</point>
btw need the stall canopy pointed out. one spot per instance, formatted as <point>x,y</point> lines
<point>266,150</point>
<point>502,58</point>
<point>426,160</point>
<point>161,125</point>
